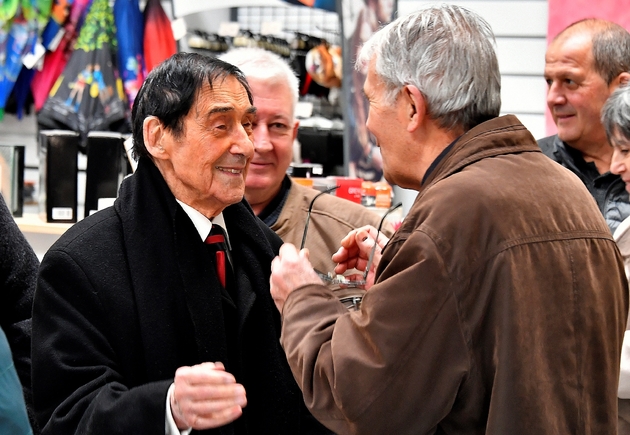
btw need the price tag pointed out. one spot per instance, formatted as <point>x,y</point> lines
<point>30,59</point>
<point>229,28</point>
<point>179,28</point>
<point>303,109</point>
<point>54,43</point>
<point>271,28</point>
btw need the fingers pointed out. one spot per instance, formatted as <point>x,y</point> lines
<point>289,270</point>
<point>206,396</point>
<point>356,248</point>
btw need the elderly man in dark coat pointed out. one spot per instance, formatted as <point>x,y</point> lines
<point>142,328</point>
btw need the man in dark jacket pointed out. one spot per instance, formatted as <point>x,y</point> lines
<point>18,274</point>
<point>142,328</point>
<point>499,305</point>
<point>584,64</point>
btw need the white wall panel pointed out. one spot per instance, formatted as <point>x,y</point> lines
<point>523,94</point>
<point>525,56</point>
<point>507,17</point>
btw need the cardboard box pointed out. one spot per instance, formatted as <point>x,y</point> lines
<point>349,188</point>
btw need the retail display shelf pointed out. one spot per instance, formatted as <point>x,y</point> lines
<point>33,223</point>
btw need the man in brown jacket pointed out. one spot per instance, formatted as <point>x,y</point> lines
<point>499,306</point>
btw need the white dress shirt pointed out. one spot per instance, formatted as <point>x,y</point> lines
<point>203,226</point>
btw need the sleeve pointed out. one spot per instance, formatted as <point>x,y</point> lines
<point>171,427</point>
<point>405,346</point>
<point>18,274</point>
<point>624,374</point>
<point>13,417</point>
<point>80,385</point>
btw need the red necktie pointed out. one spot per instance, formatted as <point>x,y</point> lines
<point>216,238</point>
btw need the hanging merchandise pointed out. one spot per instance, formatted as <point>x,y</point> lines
<point>323,63</point>
<point>88,95</point>
<point>159,42</point>
<point>17,38</point>
<point>55,61</point>
<point>58,16</point>
<point>129,34</point>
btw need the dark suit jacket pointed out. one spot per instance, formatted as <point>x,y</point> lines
<point>128,295</point>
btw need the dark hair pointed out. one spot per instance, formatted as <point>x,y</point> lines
<point>610,46</point>
<point>170,90</point>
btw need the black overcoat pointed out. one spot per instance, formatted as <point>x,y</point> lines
<point>127,295</point>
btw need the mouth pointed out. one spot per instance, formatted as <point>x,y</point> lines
<point>229,170</point>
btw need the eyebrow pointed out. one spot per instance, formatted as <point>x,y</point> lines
<point>226,109</point>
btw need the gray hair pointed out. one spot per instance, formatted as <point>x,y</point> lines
<point>447,52</point>
<point>610,46</point>
<point>262,64</point>
<point>616,113</point>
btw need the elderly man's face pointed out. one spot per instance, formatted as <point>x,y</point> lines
<point>209,162</point>
<point>576,92</point>
<point>274,132</point>
<point>386,124</point>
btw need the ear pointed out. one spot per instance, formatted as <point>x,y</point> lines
<point>623,78</point>
<point>153,133</point>
<point>296,125</point>
<point>415,110</point>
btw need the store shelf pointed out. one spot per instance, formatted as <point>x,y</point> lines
<point>32,223</point>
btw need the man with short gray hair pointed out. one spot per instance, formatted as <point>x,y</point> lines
<point>499,305</point>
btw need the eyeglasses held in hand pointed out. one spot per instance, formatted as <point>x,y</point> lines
<point>331,278</point>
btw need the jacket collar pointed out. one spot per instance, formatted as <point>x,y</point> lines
<point>502,135</point>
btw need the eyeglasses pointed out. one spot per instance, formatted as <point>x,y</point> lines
<point>339,280</point>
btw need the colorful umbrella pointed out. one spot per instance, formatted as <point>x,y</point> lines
<point>55,61</point>
<point>159,42</point>
<point>129,33</point>
<point>58,16</point>
<point>88,95</point>
<point>22,35</point>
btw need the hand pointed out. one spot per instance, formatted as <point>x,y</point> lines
<point>290,270</point>
<point>355,252</point>
<point>205,396</point>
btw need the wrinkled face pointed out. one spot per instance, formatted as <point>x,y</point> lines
<point>386,124</point>
<point>274,132</point>
<point>620,163</point>
<point>208,163</point>
<point>576,92</point>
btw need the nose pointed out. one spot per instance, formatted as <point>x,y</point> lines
<point>617,164</point>
<point>262,139</point>
<point>555,95</point>
<point>242,143</point>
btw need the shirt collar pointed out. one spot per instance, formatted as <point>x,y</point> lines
<point>437,160</point>
<point>202,223</point>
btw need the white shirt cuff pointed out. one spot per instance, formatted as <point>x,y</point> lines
<point>170,426</point>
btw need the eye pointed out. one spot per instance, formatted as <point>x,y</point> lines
<point>279,127</point>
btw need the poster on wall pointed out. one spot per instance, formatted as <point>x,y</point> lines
<point>359,20</point>
<point>328,5</point>
<point>565,12</point>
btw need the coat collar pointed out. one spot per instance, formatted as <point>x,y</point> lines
<point>166,256</point>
